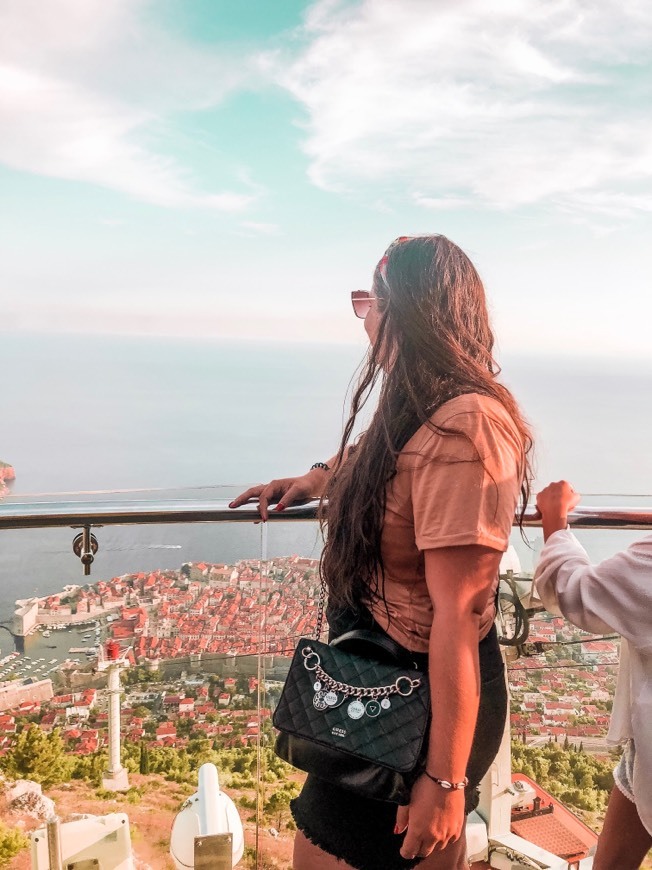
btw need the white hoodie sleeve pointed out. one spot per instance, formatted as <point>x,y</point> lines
<point>614,596</point>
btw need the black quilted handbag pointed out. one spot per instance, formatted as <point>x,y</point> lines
<point>356,713</point>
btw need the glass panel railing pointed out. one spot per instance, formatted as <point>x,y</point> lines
<point>204,612</point>
<point>210,610</point>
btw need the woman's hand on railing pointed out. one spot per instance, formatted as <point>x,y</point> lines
<point>284,492</point>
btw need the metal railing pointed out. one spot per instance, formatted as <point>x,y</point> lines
<point>74,513</point>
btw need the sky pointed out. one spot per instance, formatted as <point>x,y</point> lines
<point>204,168</point>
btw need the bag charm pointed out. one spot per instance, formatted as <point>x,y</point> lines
<point>403,686</point>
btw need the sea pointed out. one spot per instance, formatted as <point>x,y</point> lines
<point>149,418</point>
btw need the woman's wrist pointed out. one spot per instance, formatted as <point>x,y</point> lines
<point>318,477</point>
<point>447,784</point>
<point>322,465</point>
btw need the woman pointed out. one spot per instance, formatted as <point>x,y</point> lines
<point>419,511</point>
<point>615,595</point>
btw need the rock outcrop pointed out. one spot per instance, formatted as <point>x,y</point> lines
<point>6,471</point>
<point>27,797</point>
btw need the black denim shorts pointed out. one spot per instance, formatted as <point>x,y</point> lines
<point>360,831</point>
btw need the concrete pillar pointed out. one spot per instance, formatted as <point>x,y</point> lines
<point>115,778</point>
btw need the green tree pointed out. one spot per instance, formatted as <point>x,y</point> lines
<point>130,755</point>
<point>141,711</point>
<point>172,763</point>
<point>575,778</point>
<point>184,727</point>
<point>90,767</point>
<point>40,757</point>
<point>12,841</point>
<point>541,768</point>
<point>144,758</point>
<point>277,806</point>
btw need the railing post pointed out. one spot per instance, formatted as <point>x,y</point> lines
<point>54,843</point>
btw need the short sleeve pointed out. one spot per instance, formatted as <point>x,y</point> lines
<point>465,486</point>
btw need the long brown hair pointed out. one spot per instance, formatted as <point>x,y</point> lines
<point>434,343</point>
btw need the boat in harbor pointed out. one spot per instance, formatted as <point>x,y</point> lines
<point>47,633</point>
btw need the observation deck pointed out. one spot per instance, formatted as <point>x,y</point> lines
<point>206,605</point>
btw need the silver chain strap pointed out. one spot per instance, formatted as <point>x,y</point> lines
<point>320,608</point>
<point>403,685</point>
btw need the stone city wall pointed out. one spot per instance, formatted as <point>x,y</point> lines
<point>13,696</point>
<point>25,617</point>
<point>49,618</point>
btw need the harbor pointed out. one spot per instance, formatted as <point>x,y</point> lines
<point>46,651</point>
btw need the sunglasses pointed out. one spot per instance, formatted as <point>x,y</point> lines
<point>362,300</point>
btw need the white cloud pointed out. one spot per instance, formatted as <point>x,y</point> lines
<point>261,228</point>
<point>611,205</point>
<point>84,83</point>
<point>499,104</point>
<point>441,203</point>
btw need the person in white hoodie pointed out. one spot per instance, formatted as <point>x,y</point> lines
<point>614,596</point>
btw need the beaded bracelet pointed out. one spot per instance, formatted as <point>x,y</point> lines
<point>320,465</point>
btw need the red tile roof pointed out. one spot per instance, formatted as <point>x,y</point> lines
<point>550,833</point>
<point>559,832</point>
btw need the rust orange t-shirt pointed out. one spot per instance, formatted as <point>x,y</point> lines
<point>449,490</point>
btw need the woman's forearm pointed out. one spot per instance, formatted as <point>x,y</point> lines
<point>334,463</point>
<point>318,477</point>
<point>614,595</point>
<point>460,582</point>
<point>455,691</point>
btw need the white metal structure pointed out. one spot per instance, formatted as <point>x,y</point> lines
<point>104,839</point>
<point>207,813</point>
